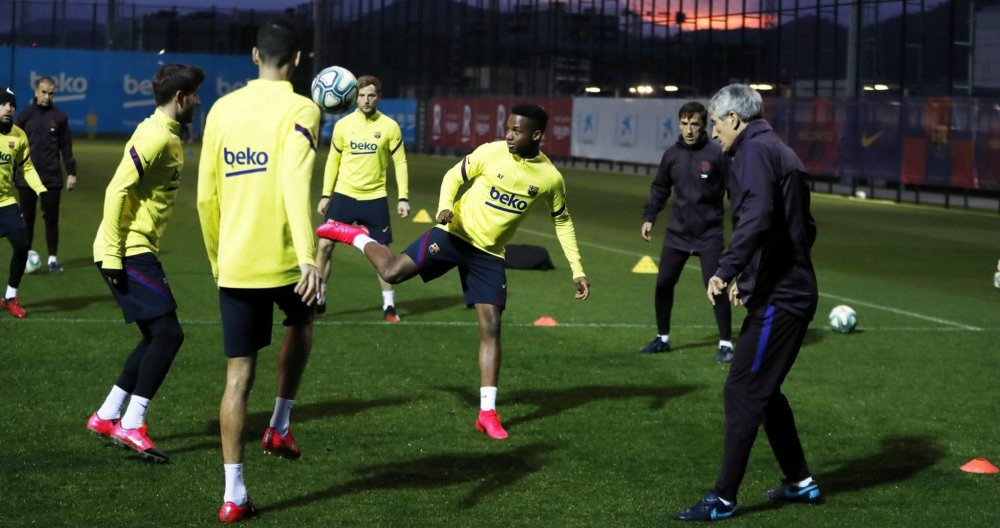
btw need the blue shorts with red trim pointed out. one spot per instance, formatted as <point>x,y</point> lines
<point>373,214</point>
<point>147,294</point>
<point>484,280</point>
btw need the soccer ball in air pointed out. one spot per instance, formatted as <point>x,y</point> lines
<point>335,89</point>
<point>34,262</point>
<point>843,319</point>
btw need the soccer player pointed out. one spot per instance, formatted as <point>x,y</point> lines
<point>14,153</point>
<point>508,179</point>
<point>354,179</point>
<point>694,170</point>
<point>48,134</point>
<point>769,255</point>
<point>138,203</point>
<point>253,200</point>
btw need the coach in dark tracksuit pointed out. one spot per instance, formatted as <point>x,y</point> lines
<point>49,139</point>
<point>769,255</point>
<point>694,169</point>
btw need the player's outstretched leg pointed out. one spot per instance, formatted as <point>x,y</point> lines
<point>391,268</point>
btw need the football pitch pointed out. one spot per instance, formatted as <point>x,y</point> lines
<point>600,435</point>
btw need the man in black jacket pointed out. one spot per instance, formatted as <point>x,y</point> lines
<point>770,258</point>
<point>694,169</point>
<point>49,139</point>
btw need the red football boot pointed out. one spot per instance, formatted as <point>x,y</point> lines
<point>232,512</point>
<point>101,427</point>
<point>489,423</point>
<point>282,446</point>
<point>340,232</point>
<point>14,307</point>
<point>137,440</point>
<point>390,314</point>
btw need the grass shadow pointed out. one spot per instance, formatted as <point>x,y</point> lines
<point>899,458</point>
<point>258,421</point>
<point>550,402</point>
<point>814,336</point>
<point>489,473</point>
<point>68,304</point>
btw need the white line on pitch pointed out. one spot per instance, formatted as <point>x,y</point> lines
<point>889,309</point>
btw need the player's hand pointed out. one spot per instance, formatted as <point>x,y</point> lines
<point>716,287</point>
<point>445,216</point>
<point>582,288</point>
<point>309,283</point>
<point>324,203</point>
<point>734,294</point>
<point>644,231</point>
<point>403,208</point>
<point>116,278</point>
<point>70,182</point>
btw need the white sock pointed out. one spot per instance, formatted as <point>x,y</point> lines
<point>236,492</point>
<point>725,343</point>
<point>804,483</point>
<point>53,259</point>
<point>112,407</point>
<point>665,338</point>
<point>361,241</point>
<point>281,415</point>
<point>135,413</point>
<point>11,293</point>
<point>388,299</point>
<point>487,398</point>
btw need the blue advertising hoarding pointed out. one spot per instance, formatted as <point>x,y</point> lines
<point>112,91</point>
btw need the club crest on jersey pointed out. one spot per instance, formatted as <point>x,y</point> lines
<point>378,134</point>
<point>532,190</point>
<point>10,144</point>
<point>434,248</point>
<point>706,166</point>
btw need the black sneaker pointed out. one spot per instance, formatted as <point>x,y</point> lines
<point>709,508</point>
<point>55,267</point>
<point>725,354</point>
<point>390,314</point>
<point>656,346</point>
<point>792,493</point>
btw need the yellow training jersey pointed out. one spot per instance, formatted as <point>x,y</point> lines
<point>14,154</point>
<point>253,185</point>
<point>139,199</point>
<point>504,188</point>
<point>359,153</point>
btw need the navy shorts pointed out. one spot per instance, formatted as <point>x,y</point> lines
<point>10,219</point>
<point>147,294</point>
<point>373,214</point>
<point>483,278</point>
<point>248,314</point>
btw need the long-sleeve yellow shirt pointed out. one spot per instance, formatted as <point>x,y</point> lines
<point>359,154</point>
<point>253,185</point>
<point>14,154</point>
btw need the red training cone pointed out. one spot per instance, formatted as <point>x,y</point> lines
<point>546,321</point>
<point>979,465</point>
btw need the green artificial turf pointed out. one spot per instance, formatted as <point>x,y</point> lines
<point>599,434</point>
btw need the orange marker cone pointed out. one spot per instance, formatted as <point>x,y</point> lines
<point>546,321</point>
<point>979,465</point>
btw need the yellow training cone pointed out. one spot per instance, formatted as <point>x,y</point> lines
<point>423,217</point>
<point>645,265</point>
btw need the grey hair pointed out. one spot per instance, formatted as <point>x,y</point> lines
<point>740,99</point>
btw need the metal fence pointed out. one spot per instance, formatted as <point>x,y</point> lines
<point>795,48</point>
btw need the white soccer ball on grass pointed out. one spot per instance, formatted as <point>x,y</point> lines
<point>843,319</point>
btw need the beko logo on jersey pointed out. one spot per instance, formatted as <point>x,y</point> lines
<point>509,200</point>
<point>363,147</point>
<point>4,157</point>
<point>244,158</point>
